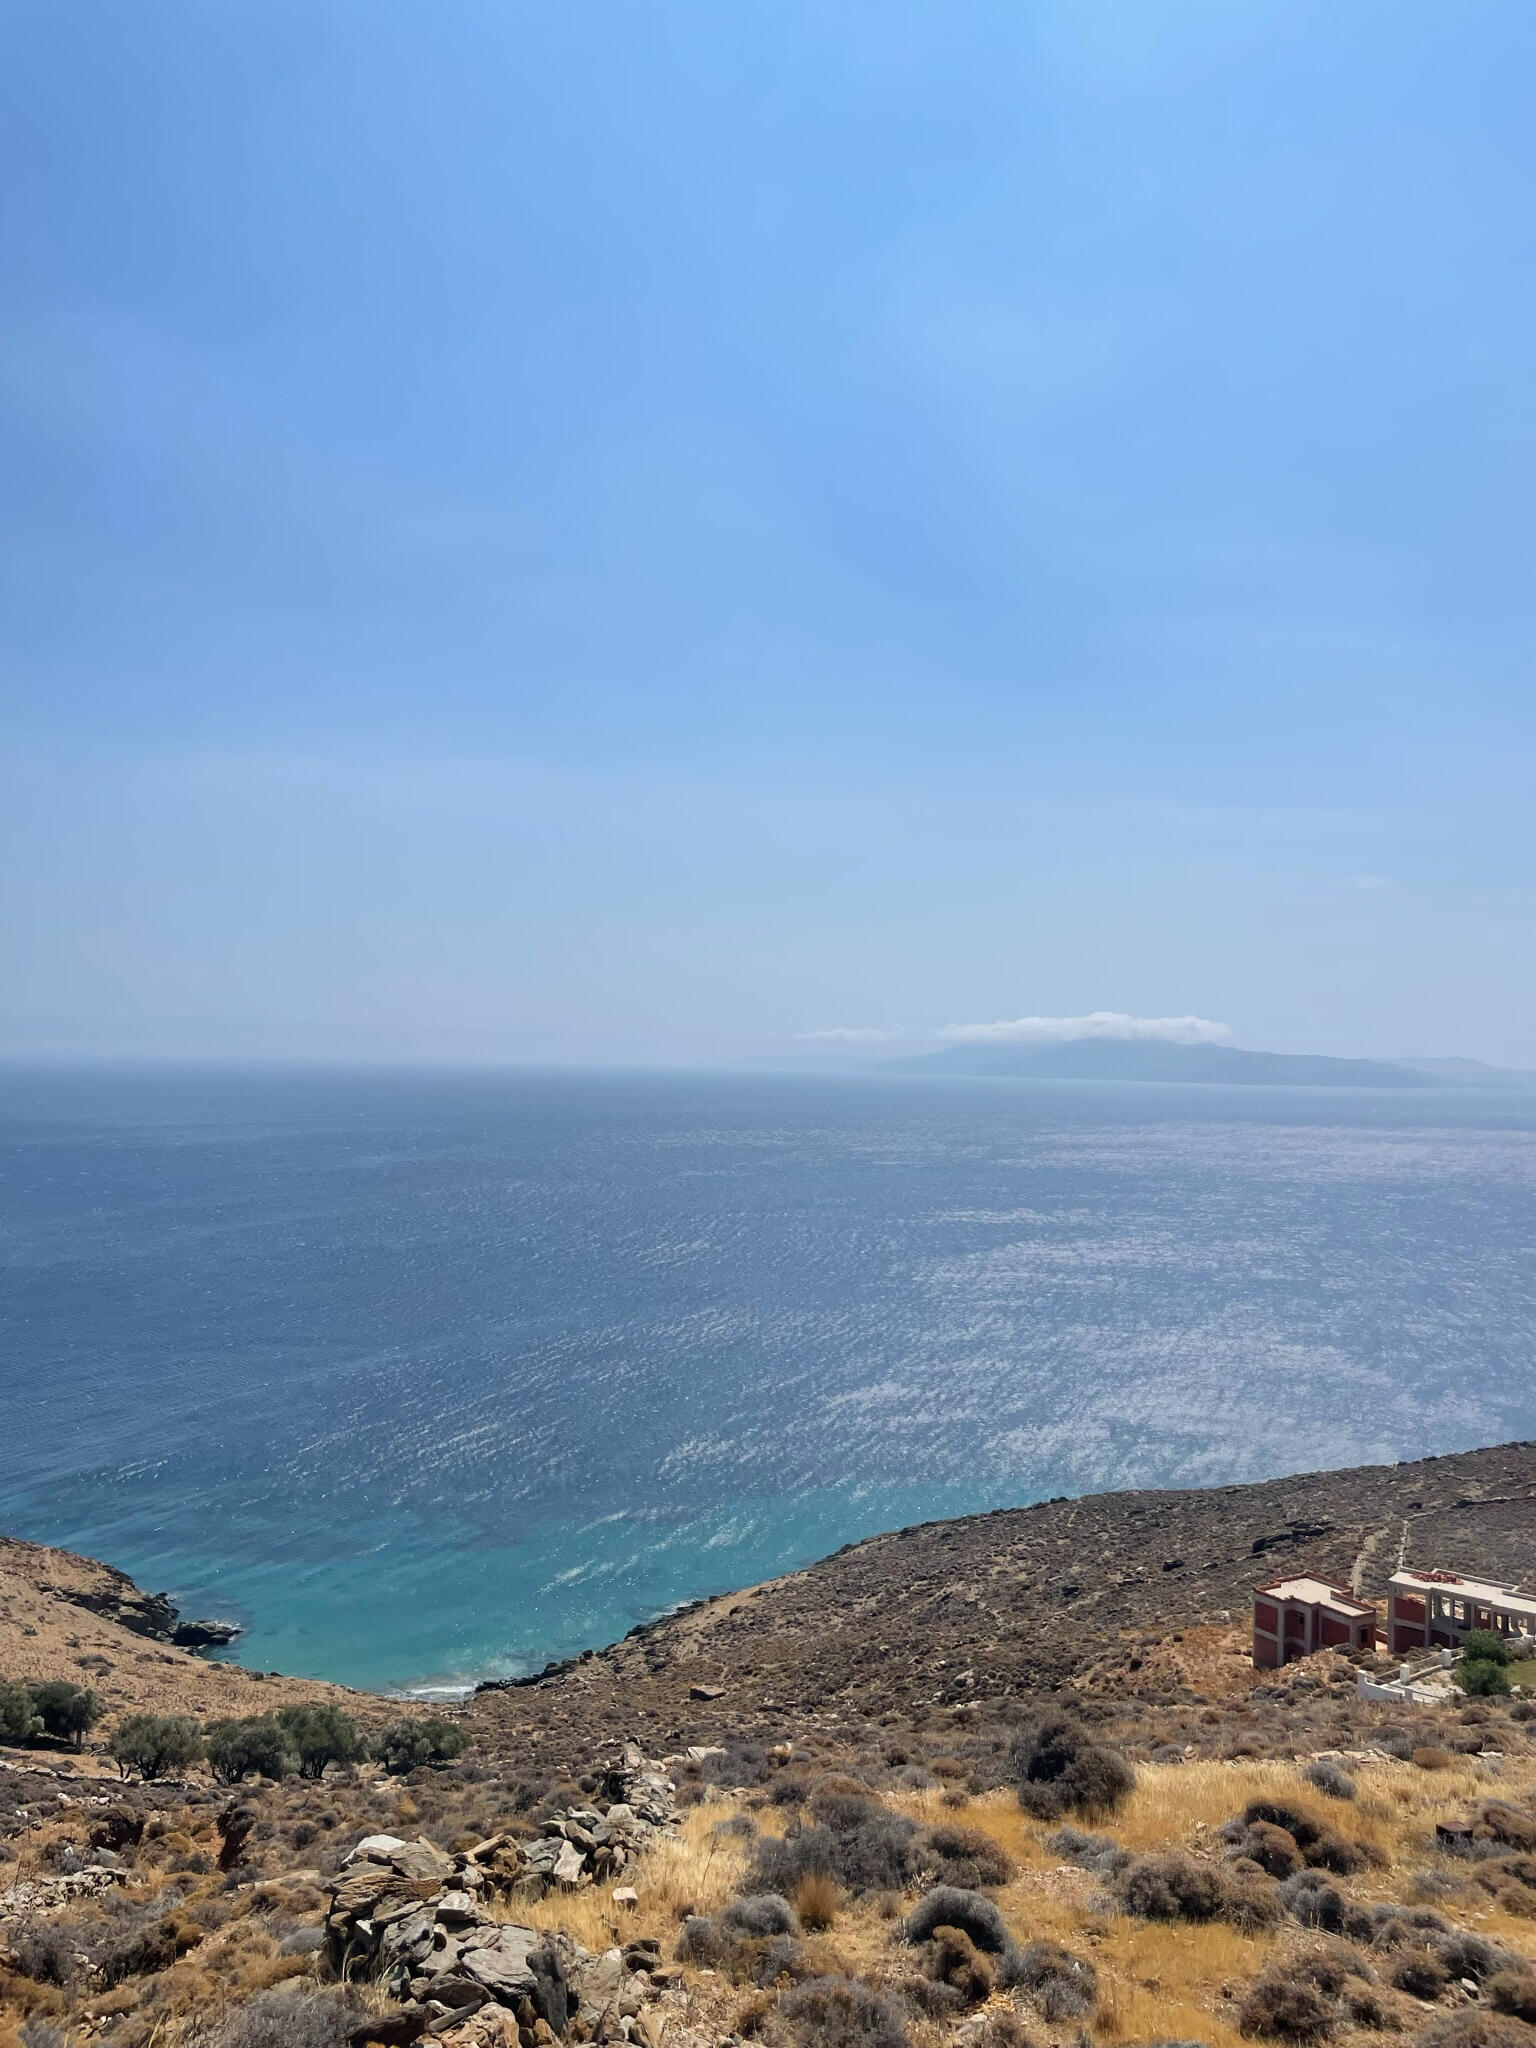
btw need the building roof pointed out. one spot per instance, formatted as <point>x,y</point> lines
<point>1483,1592</point>
<point>1318,1593</point>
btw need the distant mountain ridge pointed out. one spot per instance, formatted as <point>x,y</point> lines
<point>1470,1073</point>
<point>1160,1059</point>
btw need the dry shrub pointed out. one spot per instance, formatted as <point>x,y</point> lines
<point>1367,2008</point>
<point>817,1899</point>
<point>1420,1972</point>
<point>1474,2027</point>
<point>927,1996</point>
<point>1329,1778</point>
<point>1272,1848</point>
<point>1404,1926</point>
<point>836,2012</point>
<point>1314,1902</point>
<point>705,1942</point>
<point>1331,1851</point>
<point>974,1915</point>
<point>759,1916</point>
<point>1105,1858</point>
<point>1063,1986</point>
<point>1281,1838</point>
<point>954,1959</point>
<point>1331,1969</point>
<point>1172,1887</point>
<point>1470,1955</point>
<point>1276,1813</point>
<point>780,1961</point>
<point>968,1858</point>
<point>857,1842</point>
<point>1498,1821</point>
<point>1285,2007</point>
<point>143,1951</point>
<point>836,1785</point>
<point>1000,2028</point>
<point>1251,1905</point>
<point>43,1951</point>
<point>1061,1771</point>
<point>753,2016</point>
<point>286,2019</point>
<point>790,1788</point>
<point>1514,1992</point>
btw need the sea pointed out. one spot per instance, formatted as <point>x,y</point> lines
<point>430,1377</point>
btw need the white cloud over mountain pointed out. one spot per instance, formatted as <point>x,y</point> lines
<point>1097,1024</point>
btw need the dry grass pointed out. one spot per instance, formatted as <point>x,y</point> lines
<point>1157,1980</point>
<point>697,1872</point>
<point>818,1901</point>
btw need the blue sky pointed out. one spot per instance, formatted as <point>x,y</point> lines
<point>637,533</point>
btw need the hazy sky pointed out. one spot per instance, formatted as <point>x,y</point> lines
<point>613,531</point>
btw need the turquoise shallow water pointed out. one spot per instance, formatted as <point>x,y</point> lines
<point>427,1377</point>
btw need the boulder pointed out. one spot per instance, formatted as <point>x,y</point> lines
<point>373,1849</point>
<point>490,2027</point>
<point>422,1859</point>
<point>597,1981</point>
<point>362,1888</point>
<point>504,1972</point>
<point>457,1993</point>
<point>408,1939</point>
<point>482,1850</point>
<point>401,1904</point>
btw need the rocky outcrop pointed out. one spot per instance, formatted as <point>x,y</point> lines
<point>430,1925</point>
<point>102,1589</point>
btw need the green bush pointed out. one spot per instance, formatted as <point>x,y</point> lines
<point>1480,1677</point>
<point>322,1736</point>
<point>260,1743</point>
<point>156,1744</point>
<point>1484,1646</point>
<point>67,1711</point>
<point>405,1744</point>
<point>19,1718</point>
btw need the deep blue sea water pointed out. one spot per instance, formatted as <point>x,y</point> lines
<point>426,1377</point>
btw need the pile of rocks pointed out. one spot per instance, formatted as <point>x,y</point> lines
<point>30,1895</point>
<point>634,1804</point>
<point>418,1920</point>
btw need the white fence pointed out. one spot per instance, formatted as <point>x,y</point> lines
<point>1418,1695</point>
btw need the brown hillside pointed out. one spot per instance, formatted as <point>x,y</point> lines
<point>1006,1604</point>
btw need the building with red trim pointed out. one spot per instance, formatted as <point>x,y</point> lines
<point>1434,1610</point>
<point>1294,1617</point>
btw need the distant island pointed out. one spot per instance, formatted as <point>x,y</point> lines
<point>1094,1058</point>
<point>1158,1059</point>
